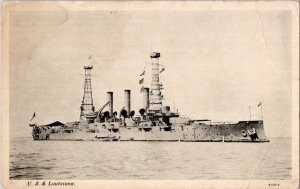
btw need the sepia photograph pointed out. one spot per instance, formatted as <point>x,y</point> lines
<point>158,94</point>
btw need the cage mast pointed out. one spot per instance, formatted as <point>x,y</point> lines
<point>87,101</point>
<point>155,94</point>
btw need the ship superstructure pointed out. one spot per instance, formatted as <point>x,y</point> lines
<point>155,122</point>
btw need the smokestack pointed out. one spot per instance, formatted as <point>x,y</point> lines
<point>146,98</point>
<point>127,101</point>
<point>110,98</point>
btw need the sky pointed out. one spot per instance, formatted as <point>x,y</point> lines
<point>218,63</point>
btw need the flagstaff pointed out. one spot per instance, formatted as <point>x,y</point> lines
<point>261,109</point>
<point>250,112</point>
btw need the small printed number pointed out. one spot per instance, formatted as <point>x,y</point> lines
<point>273,184</point>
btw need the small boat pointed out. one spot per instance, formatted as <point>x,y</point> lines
<point>126,139</point>
<point>106,138</point>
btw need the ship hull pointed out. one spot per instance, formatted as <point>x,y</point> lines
<point>224,132</point>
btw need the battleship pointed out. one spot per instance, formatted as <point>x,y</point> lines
<point>155,121</point>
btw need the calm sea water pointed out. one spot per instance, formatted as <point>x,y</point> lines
<point>149,160</point>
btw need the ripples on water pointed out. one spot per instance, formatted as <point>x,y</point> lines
<point>149,160</point>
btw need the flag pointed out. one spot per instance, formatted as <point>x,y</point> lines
<point>33,116</point>
<point>163,69</point>
<point>143,73</point>
<point>141,81</point>
<point>259,104</point>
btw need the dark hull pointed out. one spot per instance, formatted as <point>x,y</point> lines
<point>224,132</point>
